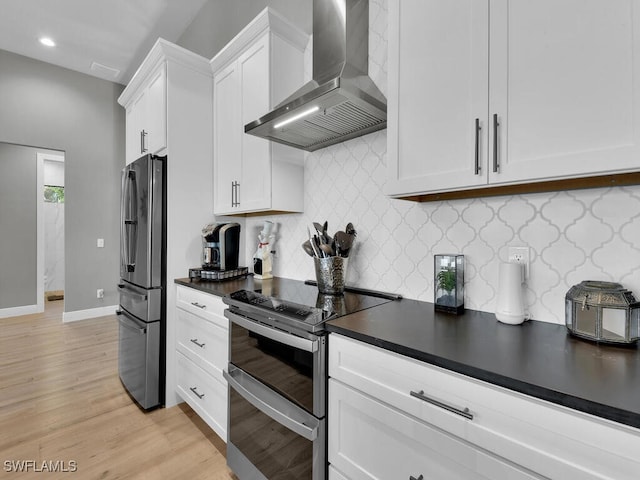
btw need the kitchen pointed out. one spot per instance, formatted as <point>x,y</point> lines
<point>573,235</point>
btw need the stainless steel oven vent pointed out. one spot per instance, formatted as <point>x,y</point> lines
<point>341,102</point>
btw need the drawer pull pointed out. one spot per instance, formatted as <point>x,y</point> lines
<point>199,305</point>
<point>195,392</point>
<point>411,477</point>
<point>463,413</point>
<point>195,340</point>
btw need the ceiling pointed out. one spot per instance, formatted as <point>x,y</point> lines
<point>116,34</point>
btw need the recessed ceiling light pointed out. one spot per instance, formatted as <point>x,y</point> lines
<point>47,41</point>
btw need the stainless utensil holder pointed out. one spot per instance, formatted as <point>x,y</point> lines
<point>331,273</point>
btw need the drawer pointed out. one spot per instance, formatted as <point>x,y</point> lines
<point>204,393</point>
<point>202,304</point>
<point>555,441</point>
<point>370,440</point>
<point>203,341</point>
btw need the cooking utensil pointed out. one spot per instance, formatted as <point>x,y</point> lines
<point>327,250</point>
<point>306,246</point>
<point>316,251</point>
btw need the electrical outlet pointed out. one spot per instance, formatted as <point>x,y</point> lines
<point>520,255</point>
<point>100,293</point>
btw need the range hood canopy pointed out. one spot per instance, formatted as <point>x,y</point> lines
<point>341,102</point>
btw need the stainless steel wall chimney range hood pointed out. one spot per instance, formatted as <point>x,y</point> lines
<point>341,102</point>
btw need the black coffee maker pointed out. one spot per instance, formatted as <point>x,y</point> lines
<point>221,246</point>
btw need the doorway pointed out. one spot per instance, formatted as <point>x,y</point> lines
<point>53,217</point>
<point>22,241</point>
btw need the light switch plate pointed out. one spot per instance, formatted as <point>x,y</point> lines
<point>100,243</point>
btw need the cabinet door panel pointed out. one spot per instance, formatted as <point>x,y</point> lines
<point>133,130</point>
<point>205,394</point>
<point>370,440</point>
<point>255,186</point>
<point>564,83</point>
<point>438,83</point>
<point>156,110</point>
<point>226,137</point>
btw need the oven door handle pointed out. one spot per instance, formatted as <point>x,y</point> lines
<point>276,335</point>
<point>273,405</point>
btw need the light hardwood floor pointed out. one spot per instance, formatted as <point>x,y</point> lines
<point>61,401</point>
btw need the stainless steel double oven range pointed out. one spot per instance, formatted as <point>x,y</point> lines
<point>277,377</point>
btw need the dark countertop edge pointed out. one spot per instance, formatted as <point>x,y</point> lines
<point>596,409</point>
<point>575,403</point>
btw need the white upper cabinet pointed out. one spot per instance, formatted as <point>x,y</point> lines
<point>438,81</point>
<point>257,70</point>
<point>146,117</point>
<point>505,92</point>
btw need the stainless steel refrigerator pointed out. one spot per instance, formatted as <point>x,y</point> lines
<point>141,316</point>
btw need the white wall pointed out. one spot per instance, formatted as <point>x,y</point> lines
<point>574,236</point>
<point>52,107</point>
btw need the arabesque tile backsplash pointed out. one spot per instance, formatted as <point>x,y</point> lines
<point>573,235</point>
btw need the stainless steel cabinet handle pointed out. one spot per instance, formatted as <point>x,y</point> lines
<point>195,340</point>
<point>195,392</point>
<point>411,477</point>
<point>477,158</point>
<point>235,194</point>
<point>199,305</point>
<point>143,141</point>
<point>463,413</point>
<point>496,124</point>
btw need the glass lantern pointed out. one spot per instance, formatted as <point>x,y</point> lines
<point>603,312</point>
<point>449,283</point>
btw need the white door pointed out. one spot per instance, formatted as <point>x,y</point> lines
<point>438,84</point>
<point>156,110</point>
<point>255,186</point>
<point>564,85</point>
<point>133,129</point>
<point>370,440</point>
<point>227,153</point>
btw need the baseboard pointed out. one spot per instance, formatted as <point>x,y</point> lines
<point>17,311</point>
<point>89,313</point>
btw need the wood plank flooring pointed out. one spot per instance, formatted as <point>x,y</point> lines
<point>61,401</point>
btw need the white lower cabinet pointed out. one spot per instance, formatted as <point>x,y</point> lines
<point>202,345</point>
<point>205,394</point>
<point>370,440</point>
<point>393,417</point>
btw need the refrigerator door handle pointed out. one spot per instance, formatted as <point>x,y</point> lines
<point>132,293</point>
<point>130,220</point>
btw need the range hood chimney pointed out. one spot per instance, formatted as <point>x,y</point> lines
<point>341,102</point>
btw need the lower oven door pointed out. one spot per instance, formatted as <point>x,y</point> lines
<point>270,437</point>
<point>292,365</point>
<point>139,358</point>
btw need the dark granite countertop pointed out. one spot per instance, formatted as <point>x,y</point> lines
<point>220,289</point>
<point>536,358</point>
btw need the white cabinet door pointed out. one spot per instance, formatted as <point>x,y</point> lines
<point>146,118</point>
<point>564,84</point>
<point>226,138</point>
<point>370,440</point>
<point>255,183</point>
<point>133,129</point>
<point>551,85</point>
<point>438,82</point>
<point>252,174</point>
<point>155,122</point>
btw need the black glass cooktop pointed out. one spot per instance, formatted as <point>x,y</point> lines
<point>301,304</point>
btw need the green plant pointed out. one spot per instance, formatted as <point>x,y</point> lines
<point>447,279</point>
